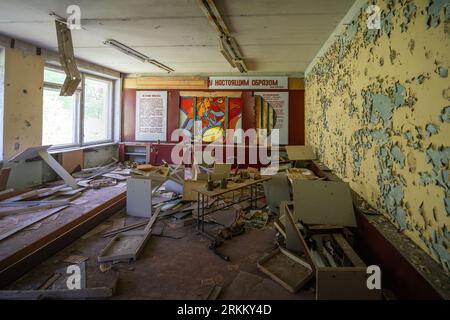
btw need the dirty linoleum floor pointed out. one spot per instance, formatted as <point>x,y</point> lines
<point>177,264</point>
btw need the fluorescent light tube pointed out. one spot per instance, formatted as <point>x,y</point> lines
<point>135,54</point>
<point>127,50</point>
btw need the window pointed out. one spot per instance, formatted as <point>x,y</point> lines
<point>97,110</point>
<point>60,115</point>
<point>2,87</point>
<point>74,121</point>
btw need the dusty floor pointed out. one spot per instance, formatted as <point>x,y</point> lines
<point>176,264</point>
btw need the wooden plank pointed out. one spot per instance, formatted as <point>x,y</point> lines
<point>49,281</point>
<point>37,193</point>
<point>32,203</point>
<point>30,209</point>
<point>29,153</point>
<point>75,294</point>
<point>187,83</point>
<point>28,223</point>
<point>31,255</point>
<point>58,169</point>
<point>294,239</point>
<point>348,251</point>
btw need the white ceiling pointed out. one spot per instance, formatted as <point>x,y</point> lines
<point>274,36</point>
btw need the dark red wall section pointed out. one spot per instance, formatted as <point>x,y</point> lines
<point>296,113</point>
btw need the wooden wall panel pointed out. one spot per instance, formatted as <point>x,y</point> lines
<point>23,96</point>
<point>297,117</point>
<point>128,115</point>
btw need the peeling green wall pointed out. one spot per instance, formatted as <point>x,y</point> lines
<point>377,112</point>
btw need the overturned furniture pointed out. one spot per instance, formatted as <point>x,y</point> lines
<point>128,245</point>
<point>339,271</point>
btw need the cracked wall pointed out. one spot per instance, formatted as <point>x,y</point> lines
<point>377,113</point>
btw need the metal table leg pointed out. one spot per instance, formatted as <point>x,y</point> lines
<point>198,211</point>
<point>203,213</point>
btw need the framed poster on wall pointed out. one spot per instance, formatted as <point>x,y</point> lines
<point>279,101</point>
<point>151,115</point>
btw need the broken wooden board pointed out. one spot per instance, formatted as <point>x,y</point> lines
<point>294,239</point>
<point>50,281</point>
<point>29,153</point>
<point>300,153</point>
<point>37,193</point>
<point>32,203</point>
<point>286,269</point>
<point>75,259</point>
<point>41,151</point>
<point>28,223</point>
<point>323,202</point>
<point>128,245</point>
<point>4,213</point>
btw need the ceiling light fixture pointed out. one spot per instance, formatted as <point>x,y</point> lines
<point>227,44</point>
<point>241,66</point>
<point>212,13</point>
<point>230,51</point>
<point>135,54</point>
<point>226,53</point>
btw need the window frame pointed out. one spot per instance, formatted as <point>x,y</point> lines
<point>80,106</point>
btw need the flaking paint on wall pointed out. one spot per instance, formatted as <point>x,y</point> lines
<point>382,97</point>
<point>24,81</point>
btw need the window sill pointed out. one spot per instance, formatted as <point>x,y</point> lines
<point>72,148</point>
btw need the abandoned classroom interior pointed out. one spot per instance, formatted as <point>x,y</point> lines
<point>225,150</point>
